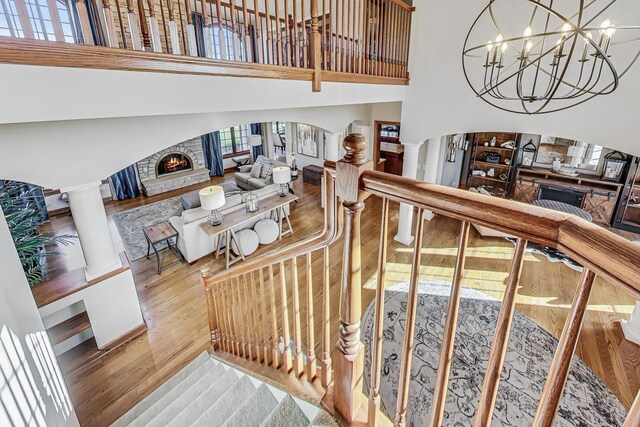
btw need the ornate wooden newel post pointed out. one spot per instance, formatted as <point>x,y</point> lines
<point>349,356</point>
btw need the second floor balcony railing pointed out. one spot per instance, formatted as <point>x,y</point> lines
<point>359,37</point>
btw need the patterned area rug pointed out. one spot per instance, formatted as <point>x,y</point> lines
<point>586,402</point>
<point>130,224</point>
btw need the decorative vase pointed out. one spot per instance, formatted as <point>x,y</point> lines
<point>556,165</point>
<point>251,203</point>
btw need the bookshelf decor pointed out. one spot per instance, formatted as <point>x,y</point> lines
<point>498,155</point>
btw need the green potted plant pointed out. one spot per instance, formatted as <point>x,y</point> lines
<point>23,218</point>
<point>294,167</point>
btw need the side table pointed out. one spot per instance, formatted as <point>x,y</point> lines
<point>157,234</point>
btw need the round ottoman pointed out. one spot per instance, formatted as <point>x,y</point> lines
<point>248,241</point>
<point>267,230</point>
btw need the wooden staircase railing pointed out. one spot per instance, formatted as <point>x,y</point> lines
<point>361,37</point>
<point>352,180</point>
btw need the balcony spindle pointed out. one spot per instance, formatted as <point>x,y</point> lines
<point>303,29</point>
<point>274,321</point>
<point>173,29</point>
<point>286,353</point>
<point>557,378</point>
<point>246,317</point>
<point>315,48</point>
<point>265,323</point>
<point>269,29</point>
<point>409,326</point>
<point>154,30</point>
<point>287,33</point>
<point>109,25</point>
<point>349,354</point>
<point>378,322</point>
<point>298,365</point>
<point>449,334</point>
<point>311,339</point>
<point>258,44</point>
<point>326,321</point>
<point>191,30</point>
<point>295,35</point>
<point>212,315</point>
<point>487,402</point>
<point>278,36</point>
<point>255,317</point>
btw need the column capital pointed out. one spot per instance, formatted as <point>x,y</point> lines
<point>81,187</point>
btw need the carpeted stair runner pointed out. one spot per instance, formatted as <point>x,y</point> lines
<point>208,392</point>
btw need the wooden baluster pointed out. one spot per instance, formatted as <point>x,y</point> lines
<point>173,30</point>
<point>332,38</point>
<point>287,33</point>
<point>229,304</point>
<point>295,36</point>
<point>125,45</point>
<point>394,37</point>
<point>379,38</point>
<point>367,37</point>
<point>233,317</point>
<point>410,325</point>
<point>315,48</point>
<point>212,315</point>
<point>247,308</point>
<point>559,371</point>
<point>491,381</point>
<point>298,366</point>
<point>349,355</point>
<point>234,30</point>
<point>386,38</point>
<point>164,28</point>
<point>449,334</point>
<point>191,30</point>
<point>323,45</point>
<point>278,54</point>
<point>257,331</point>
<point>109,27</point>
<point>311,340</point>
<point>326,321</point>
<point>269,33</point>
<point>154,30</point>
<point>406,50</point>
<point>259,47</point>
<point>265,323</point>
<point>361,23</point>
<point>144,29</point>
<point>378,322</point>
<point>286,354</point>
<point>206,30</point>
<point>274,321</point>
<point>245,31</point>
<point>239,319</point>
<point>303,37</point>
<point>223,308</point>
<point>85,24</point>
<point>343,41</point>
<point>348,38</point>
<point>183,30</point>
<point>633,416</point>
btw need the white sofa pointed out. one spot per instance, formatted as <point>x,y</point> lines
<point>193,242</point>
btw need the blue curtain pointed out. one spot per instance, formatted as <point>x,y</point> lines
<point>212,153</point>
<point>125,183</point>
<point>256,129</point>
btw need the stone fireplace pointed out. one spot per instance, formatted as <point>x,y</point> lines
<point>173,168</point>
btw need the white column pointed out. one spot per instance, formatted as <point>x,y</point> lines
<point>631,327</point>
<point>90,219</point>
<point>332,148</point>
<point>405,214</point>
<point>431,165</point>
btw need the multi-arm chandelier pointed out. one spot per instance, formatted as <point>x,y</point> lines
<point>544,56</point>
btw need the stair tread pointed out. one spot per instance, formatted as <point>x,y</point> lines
<point>286,413</point>
<point>172,409</point>
<point>227,403</point>
<point>189,373</point>
<point>207,399</point>
<point>254,410</point>
<point>68,328</point>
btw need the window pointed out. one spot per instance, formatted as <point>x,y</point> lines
<point>279,128</point>
<point>233,140</point>
<point>41,21</point>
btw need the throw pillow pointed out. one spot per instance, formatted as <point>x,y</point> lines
<point>267,171</point>
<point>190,200</point>
<point>256,170</point>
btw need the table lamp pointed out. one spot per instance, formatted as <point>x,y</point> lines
<point>212,199</point>
<point>254,141</point>
<point>282,176</point>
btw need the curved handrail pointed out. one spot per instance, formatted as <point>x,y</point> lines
<point>330,232</point>
<point>609,255</point>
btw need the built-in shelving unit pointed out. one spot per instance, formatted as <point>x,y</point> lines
<point>387,135</point>
<point>628,212</point>
<point>500,183</point>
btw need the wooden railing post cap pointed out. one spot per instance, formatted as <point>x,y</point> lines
<point>351,167</point>
<point>355,145</point>
<point>205,271</point>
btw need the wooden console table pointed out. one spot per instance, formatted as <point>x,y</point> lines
<point>600,197</point>
<point>274,206</point>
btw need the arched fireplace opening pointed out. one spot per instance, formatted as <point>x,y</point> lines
<point>173,162</point>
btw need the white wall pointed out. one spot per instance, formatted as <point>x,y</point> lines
<point>63,153</point>
<point>26,356</point>
<point>440,102</point>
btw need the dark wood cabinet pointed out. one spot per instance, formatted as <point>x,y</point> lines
<point>387,147</point>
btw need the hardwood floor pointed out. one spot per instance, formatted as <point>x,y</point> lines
<point>174,307</point>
